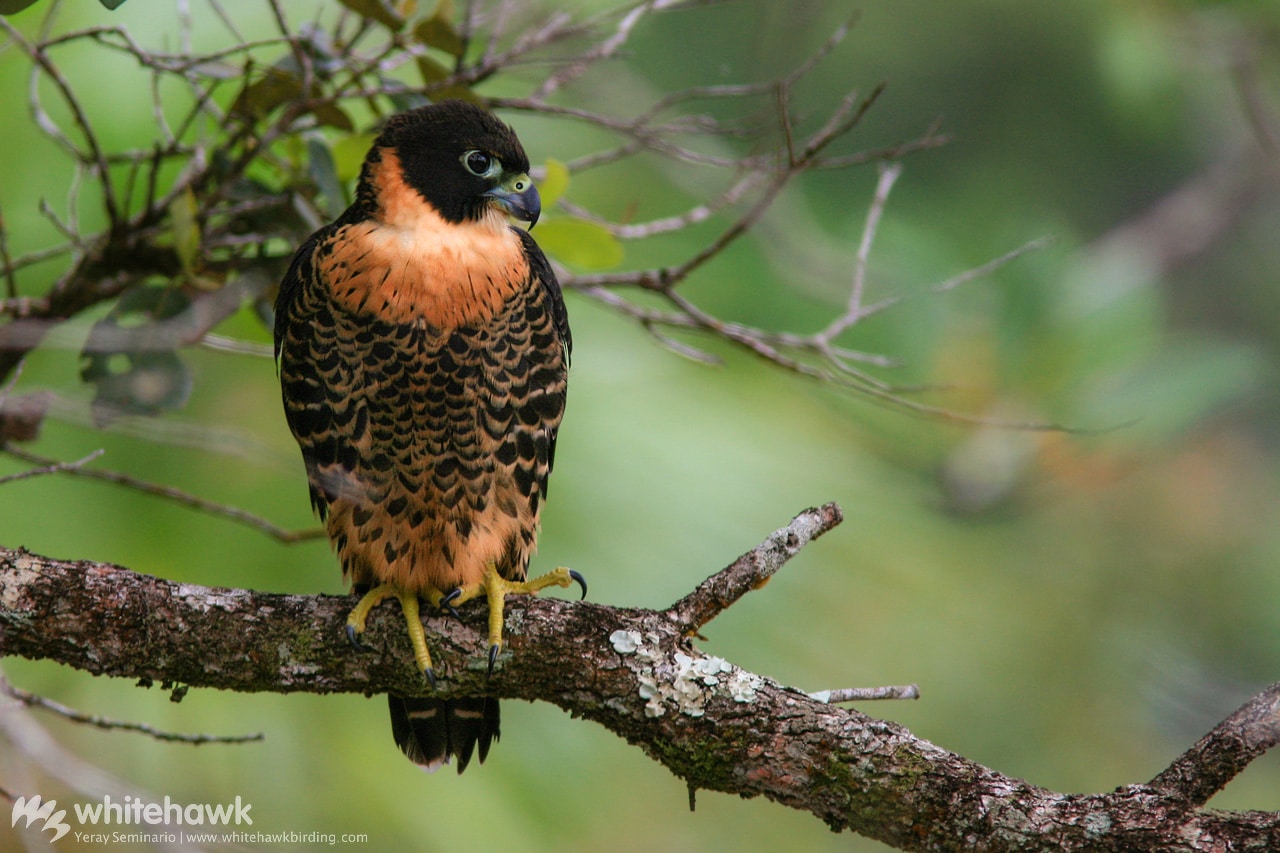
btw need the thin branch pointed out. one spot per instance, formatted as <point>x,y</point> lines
<point>65,229</point>
<point>31,700</point>
<point>300,55</point>
<point>992,265</point>
<point>37,256</point>
<point>51,466</point>
<point>7,268</point>
<point>606,49</point>
<point>95,155</point>
<point>867,694</point>
<point>222,343</point>
<point>843,119</point>
<point>889,174</point>
<point>930,139</point>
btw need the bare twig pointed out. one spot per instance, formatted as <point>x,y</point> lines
<point>222,343</point>
<point>31,700</point>
<point>605,49</point>
<point>95,153</point>
<point>854,312</point>
<point>867,694</point>
<point>51,466</point>
<point>6,262</point>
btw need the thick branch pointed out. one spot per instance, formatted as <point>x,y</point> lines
<point>636,673</point>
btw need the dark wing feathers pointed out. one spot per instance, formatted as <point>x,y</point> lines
<point>307,406</point>
<point>540,272</point>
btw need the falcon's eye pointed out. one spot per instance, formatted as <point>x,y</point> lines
<point>480,164</point>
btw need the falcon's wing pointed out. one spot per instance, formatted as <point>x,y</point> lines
<point>541,274</point>
<point>300,349</point>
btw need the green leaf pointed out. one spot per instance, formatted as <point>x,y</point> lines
<point>10,7</point>
<point>432,70</point>
<point>112,4</point>
<point>349,153</point>
<point>186,229</point>
<point>331,115</point>
<point>276,87</point>
<point>461,93</point>
<point>324,173</point>
<point>282,84</point>
<point>405,101</point>
<point>438,31</point>
<point>579,243</point>
<point>553,185</point>
<point>382,11</point>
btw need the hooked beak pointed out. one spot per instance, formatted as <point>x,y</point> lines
<point>518,197</point>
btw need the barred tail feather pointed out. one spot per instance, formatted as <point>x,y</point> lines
<point>431,731</point>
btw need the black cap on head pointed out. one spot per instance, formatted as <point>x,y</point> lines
<point>432,142</point>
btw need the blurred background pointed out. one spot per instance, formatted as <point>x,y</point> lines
<point>1077,608</point>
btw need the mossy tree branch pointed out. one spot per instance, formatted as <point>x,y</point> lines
<point>637,673</point>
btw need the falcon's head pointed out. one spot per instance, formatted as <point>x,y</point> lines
<point>461,159</point>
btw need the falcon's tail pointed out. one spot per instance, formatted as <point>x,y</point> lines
<point>430,731</point>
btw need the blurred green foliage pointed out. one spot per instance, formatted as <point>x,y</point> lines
<point>1076,608</point>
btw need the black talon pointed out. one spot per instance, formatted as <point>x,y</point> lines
<point>430,676</point>
<point>446,603</point>
<point>493,657</point>
<point>353,637</point>
<point>582,582</point>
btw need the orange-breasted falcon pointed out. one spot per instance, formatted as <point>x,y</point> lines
<point>423,349</point>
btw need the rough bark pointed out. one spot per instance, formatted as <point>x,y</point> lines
<point>637,673</point>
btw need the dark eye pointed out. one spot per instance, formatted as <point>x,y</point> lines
<point>480,164</point>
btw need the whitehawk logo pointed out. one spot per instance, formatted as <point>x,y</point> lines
<point>34,810</point>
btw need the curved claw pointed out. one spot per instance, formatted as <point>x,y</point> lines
<point>582,582</point>
<point>353,637</point>
<point>446,603</point>
<point>493,657</point>
<point>430,675</point>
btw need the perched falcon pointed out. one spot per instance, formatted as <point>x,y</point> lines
<point>423,348</point>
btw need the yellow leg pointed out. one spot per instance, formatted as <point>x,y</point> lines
<point>496,588</point>
<point>409,606</point>
<point>417,637</point>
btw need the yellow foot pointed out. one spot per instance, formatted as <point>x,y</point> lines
<point>409,606</point>
<point>496,588</point>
